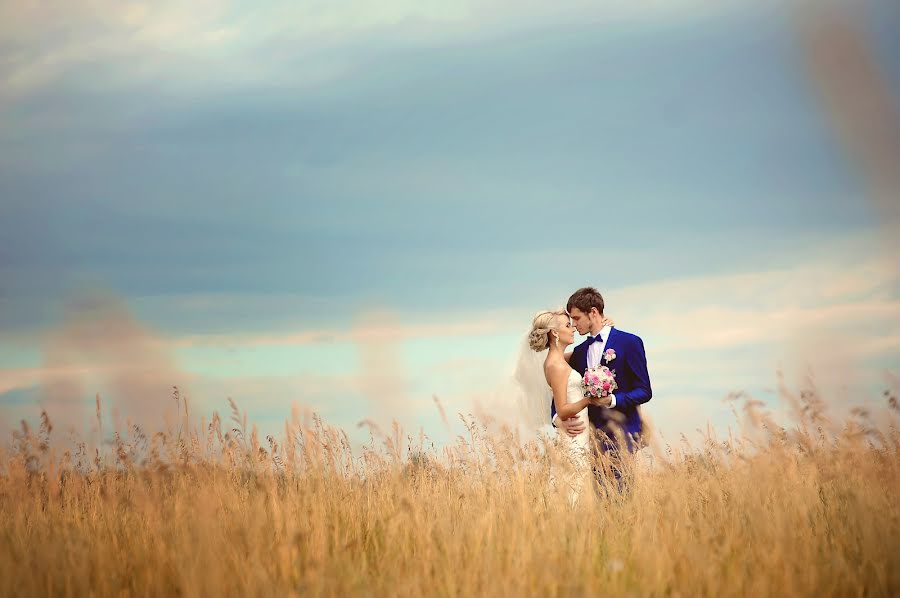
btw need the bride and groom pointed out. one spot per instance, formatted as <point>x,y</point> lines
<point>613,420</point>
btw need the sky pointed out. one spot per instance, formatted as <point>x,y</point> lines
<point>354,207</point>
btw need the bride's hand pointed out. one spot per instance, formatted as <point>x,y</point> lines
<point>607,321</point>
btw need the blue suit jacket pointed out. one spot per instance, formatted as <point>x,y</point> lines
<point>632,378</point>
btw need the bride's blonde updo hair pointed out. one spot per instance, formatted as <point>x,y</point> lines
<point>543,323</point>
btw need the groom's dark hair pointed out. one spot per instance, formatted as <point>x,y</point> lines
<point>584,299</point>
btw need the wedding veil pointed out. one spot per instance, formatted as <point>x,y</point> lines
<point>522,400</point>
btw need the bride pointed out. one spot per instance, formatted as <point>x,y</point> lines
<point>552,331</point>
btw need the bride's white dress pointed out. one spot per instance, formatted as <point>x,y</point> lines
<point>577,447</point>
<point>524,395</point>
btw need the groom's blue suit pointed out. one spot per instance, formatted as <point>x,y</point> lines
<point>632,378</point>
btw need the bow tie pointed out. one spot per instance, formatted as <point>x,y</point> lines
<point>594,339</point>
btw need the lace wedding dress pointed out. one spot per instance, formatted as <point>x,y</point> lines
<point>576,448</point>
<point>525,399</point>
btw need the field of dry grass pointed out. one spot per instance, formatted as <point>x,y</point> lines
<point>209,509</point>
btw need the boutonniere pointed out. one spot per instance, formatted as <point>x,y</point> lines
<point>609,354</point>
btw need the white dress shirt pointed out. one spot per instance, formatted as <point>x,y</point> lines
<point>595,354</point>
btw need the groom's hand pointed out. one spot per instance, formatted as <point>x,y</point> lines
<point>601,401</point>
<point>573,426</point>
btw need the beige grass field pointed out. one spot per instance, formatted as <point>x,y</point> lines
<point>208,509</point>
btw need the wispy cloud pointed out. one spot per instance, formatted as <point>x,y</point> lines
<point>373,331</point>
<point>742,309</point>
<point>220,42</point>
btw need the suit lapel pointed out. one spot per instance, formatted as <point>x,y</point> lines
<point>579,358</point>
<point>609,345</point>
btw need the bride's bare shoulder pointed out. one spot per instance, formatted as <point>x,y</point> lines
<point>555,367</point>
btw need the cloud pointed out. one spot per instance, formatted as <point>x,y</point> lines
<point>834,320</point>
<point>438,177</point>
<point>372,328</point>
<point>217,42</point>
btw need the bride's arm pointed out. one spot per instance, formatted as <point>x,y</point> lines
<point>558,376</point>
<point>568,356</point>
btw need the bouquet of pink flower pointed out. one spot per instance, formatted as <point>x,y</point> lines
<point>599,382</point>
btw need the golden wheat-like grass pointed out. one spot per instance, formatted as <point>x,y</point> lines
<point>201,511</point>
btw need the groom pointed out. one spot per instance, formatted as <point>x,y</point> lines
<point>619,351</point>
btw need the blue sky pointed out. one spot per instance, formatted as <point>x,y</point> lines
<point>279,203</point>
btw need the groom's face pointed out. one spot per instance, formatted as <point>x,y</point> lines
<point>581,320</point>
